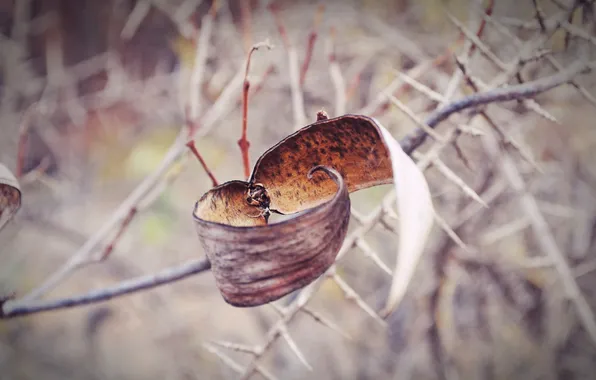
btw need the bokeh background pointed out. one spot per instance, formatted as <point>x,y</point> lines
<point>102,89</point>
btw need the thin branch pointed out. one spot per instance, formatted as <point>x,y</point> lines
<point>312,38</point>
<point>515,92</point>
<point>191,145</point>
<point>16,308</point>
<point>293,68</point>
<point>201,55</point>
<point>243,143</point>
<point>136,17</point>
<point>339,84</point>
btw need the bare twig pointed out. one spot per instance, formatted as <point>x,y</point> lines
<point>136,17</point>
<point>243,143</point>
<point>201,55</point>
<point>12,309</point>
<point>312,38</point>
<point>191,145</point>
<point>336,76</point>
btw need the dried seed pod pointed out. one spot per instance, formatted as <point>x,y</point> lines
<point>10,195</point>
<point>257,264</point>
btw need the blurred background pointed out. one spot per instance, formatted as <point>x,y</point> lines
<point>99,92</point>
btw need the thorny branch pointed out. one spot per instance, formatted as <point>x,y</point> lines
<point>409,144</point>
<point>521,91</point>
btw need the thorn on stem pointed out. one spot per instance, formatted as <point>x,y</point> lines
<point>322,115</point>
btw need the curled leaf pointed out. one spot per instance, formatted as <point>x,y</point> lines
<point>257,264</point>
<point>10,195</point>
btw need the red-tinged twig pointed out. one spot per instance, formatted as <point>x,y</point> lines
<point>312,38</point>
<point>353,86</point>
<point>273,7</point>
<point>339,84</point>
<point>243,143</point>
<point>191,145</point>
<point>123,226</point>
<point>10,308</point>
<point>488,11</point>
<point>260,84</point>
<point>270,70</point>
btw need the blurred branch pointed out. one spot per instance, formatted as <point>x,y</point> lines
<point>312,38</point>
<point>10,309</point>
<point>543,235</point>
<point>294,69</point>
<point>339,83</point>
<point>515,92</point>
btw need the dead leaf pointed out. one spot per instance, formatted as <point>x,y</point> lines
<point>247,255</point>
<point>350,144</point>
<point>10,195</point>
<point>261,263</point>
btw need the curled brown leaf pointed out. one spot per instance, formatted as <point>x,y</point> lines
<point>257,264</point>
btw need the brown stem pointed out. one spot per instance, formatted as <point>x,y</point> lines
<point>312,38</point>
<point>243,143</point>
<point>191,145</point>
<point>123,226</point>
